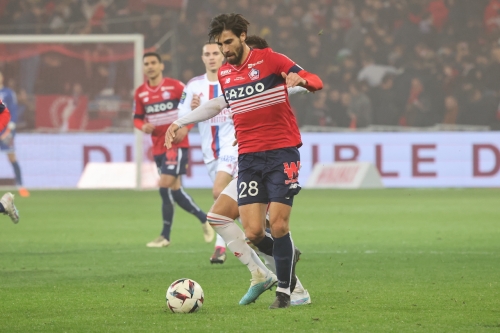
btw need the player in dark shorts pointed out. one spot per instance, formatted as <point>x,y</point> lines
<point>156,107</point>
<point>255,86</point>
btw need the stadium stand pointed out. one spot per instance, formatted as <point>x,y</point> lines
<point>403,63</point>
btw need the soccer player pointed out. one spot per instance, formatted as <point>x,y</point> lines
<point>156,107</point>
<point>225,209</point>
<point>7,135</point>
<point>7,206</point>
<point>217,133</point>
<point>254,83</point>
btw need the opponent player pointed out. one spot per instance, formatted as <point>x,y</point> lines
<point>217,134</point>
<point>7,206</point>
<point>7,135</point>
<point>156,103</point>
<point>225,209</point>
<point>254,83</point>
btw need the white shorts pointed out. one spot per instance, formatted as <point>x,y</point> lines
<point>231,189</point>
<point>225,163</point>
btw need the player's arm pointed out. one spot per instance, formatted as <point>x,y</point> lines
<point>293,74</point>
<point>204,112</point>
<point>184,108</point>
<point>139,116</point>
<point>4,116</point>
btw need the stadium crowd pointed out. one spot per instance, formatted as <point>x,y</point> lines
<point>410,63</point>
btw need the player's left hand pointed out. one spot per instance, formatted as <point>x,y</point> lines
<point>180,135</point>
<point>170,135</point>
<point>293,80</point>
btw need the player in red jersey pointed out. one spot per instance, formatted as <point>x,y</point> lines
<point>225,210</point>
<point>7,206</point>
<point>4,116</point>
<point>255,86</point>
<point>156,103</point>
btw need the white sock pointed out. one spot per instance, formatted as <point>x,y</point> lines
<point>219,241</point>
<point>298,286</point>
<point>269,261</point>
<point>235,240</point>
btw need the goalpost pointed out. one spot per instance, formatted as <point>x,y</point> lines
<point>136,40</point>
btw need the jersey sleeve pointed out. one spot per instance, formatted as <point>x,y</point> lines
<point>185,102</point>
<point>283,64</point>
<point>138,112</point>
<point>205,111</point>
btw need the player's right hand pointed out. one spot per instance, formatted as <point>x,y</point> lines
<point>148,128</point>
<point>195,102</point>
<point>170,135</point>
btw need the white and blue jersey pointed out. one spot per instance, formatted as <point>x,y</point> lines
<point>217,133</point>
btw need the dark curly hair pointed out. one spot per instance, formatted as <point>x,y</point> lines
<point>234,22</point>
<point>256,42</point>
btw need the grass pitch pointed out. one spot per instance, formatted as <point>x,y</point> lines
<point>373,261</point>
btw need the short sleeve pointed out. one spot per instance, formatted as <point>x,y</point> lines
<point>282,63</point>
<point>185,101</point>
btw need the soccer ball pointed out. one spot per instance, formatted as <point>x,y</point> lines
<point>184,296</point>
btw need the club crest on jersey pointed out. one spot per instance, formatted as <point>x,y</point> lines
<point>165,95</point>
<point>254,74</point>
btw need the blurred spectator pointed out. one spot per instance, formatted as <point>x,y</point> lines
<point>360,106</point>
<point>385,107</point>
<point>372,73</point>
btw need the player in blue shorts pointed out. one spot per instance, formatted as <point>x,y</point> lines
<point>8,96</point>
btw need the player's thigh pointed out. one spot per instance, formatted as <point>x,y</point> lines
<point>225,206</point>
<point>7,145</point>
<point>12,156</point>
<point>169,181</point>
<point>253,218</point>
<point>251,189</point>
<point>222,179</point>
<point>281,176</point>
<point>231,190</point>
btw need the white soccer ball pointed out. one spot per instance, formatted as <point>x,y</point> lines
<point>184,296</point>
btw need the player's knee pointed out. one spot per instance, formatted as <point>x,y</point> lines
<point>279,228</point>
<point>254,235</point>
<point>169,182</point>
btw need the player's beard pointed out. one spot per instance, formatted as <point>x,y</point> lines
<point>238,55</point>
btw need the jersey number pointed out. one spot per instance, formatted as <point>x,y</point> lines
<point>253,190</point>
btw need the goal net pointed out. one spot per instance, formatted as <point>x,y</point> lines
<point>74,106</point>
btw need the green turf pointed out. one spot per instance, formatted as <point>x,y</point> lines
<point>373,261</point>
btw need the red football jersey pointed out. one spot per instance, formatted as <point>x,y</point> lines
<point>258,97</point>
<point>4,116</point>
<point>158,106</point>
